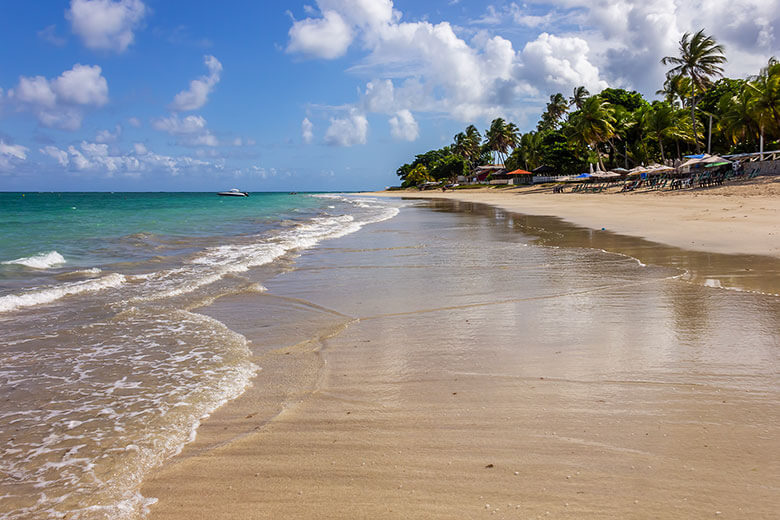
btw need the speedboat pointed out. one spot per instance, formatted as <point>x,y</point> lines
<point>235,192</point>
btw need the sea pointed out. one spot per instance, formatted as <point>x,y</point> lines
<point>106,367</point>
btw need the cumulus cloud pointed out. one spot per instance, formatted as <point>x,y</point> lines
<point>105,136</point>
<point>11,155</point>
<point>134,122</point>
<point>429,67</point>
<point>191,129</point>
<point>60,102</point>
<point>196,96</point>
<point>404,127</point>
<point>175,125</point>
<point>61,156</point>
<point>630,38</point>
<point>473,75</point>
<point>106,24</point>
<point>100,158</point>
<point>347,131</point>
<point>327,37</point>
<point>555,64</point>
<point>307,130</point>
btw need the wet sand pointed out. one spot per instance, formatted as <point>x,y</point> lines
<point>739,218</point>
<point>452,363</point>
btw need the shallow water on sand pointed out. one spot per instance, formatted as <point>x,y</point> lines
<point>485,358</point>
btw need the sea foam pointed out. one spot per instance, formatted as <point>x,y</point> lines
<point>39,261</point>
<point>53,293</point>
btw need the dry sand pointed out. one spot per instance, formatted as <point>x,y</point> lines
<point>739,218</point>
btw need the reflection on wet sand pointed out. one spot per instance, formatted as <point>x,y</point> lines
<point>745,272</point>
<point>490,363</point>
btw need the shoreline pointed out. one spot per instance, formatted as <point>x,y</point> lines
<point>733,219</point>
<point>346,420</point>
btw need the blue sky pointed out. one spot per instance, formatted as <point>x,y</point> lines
<point>322,95</point>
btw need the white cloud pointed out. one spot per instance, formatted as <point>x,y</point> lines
<point>105,136</point>
<point>307,132</point>
<point>82,85</point>
<point>61,156</point>
<point>379,96</point>
<point>60,102</point>
<point>106,24</point>
<point>555,64</point>
<point>174,125</point>
<point>404,127</point>
<point>438,70</point>
<point>197,95</point>
<point>134,122</point>
<point>192,129</point>
<point>100,159</point>
<point>347,131</point>
<point>367,14</point>
<point>11,155</point>
<point>630,38</point>
<point>327,37</point>
<point>525,52</point>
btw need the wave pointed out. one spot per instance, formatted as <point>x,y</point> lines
<point>216,262</point>
<point>50,294</point>
<point>39,261</point>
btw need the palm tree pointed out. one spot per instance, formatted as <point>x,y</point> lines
<point>578,97</point>
<point>624,123</point>
<point>764,103</point>
<point>700,59</point>
<point>592,124</point>
<point>676,89</point>
<point>556,108</point>
<point>736,120</point>
<point>531,149</point>
<point>474,140</point>
<point>660,123</point>
<point>467,145</point>
<point>500,137</point>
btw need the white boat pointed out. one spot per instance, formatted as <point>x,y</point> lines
<point>235,192</point>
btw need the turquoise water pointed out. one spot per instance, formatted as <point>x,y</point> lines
<point>106,367</point>
<point>77,225</point>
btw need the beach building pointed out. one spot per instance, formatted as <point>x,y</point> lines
<point>520,177</point>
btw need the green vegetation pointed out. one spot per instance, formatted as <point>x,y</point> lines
<point>619,128</point>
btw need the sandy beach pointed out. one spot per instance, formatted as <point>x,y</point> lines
<point>448,364</point>
<point>739,218</point>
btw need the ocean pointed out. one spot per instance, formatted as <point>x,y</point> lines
<point>106,369</point>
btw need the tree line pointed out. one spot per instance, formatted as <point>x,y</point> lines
<point>698,109</point>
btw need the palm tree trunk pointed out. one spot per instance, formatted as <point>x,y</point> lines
<point>661,145</point>
<point>693,115</point>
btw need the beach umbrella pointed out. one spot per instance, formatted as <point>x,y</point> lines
<point>703,159</point>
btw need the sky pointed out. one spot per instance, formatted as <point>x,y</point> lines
<point>324,95</point>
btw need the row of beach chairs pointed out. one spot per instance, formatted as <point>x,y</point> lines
<point>700,180</point>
